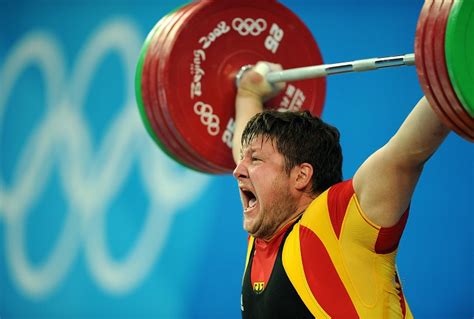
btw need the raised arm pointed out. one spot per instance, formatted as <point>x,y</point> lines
<point>385,182</point>
<point>253,90</point>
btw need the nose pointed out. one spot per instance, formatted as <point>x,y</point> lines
<point>240,170</point>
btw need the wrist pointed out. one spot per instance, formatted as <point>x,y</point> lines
<point>248,103</point>
<point>249,96</point>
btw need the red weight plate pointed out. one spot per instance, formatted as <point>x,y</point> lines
<point>429,10</point>
<point>149,90</point>
<point>154,55</point>
<point>171,38</point>
<point>430,63</point>
<point>169,138</point>
<point>161,112</point>
<point>442,71</point>
<point>139,83</point>
<point>144,83</point>
<point>420,30</point>
<point>206,52</point>
<point>169,35</point>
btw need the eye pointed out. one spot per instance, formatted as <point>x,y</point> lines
<point>255,159</point>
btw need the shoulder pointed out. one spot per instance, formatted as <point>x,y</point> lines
<point>337,213</point>
<point>330,207</point>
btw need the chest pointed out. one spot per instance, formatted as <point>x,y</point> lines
<point>266,289</point>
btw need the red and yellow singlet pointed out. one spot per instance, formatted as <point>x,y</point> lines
<point>340,264</point>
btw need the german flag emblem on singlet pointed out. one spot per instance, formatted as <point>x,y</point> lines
<point>258,286</point>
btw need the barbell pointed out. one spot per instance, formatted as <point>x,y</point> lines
<point>189,62</point>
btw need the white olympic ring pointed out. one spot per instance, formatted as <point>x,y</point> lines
<point>249,26</point>
<point>90,179</point>
<point>207,117</point>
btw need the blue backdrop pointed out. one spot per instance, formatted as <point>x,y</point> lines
<point>95,221</point>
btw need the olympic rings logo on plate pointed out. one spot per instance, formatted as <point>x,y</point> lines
<point>249,26</point>
<point>207,117</point>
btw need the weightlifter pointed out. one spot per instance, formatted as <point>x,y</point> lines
<point>320,246</point>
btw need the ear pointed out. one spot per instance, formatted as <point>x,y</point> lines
<point>303,176</point>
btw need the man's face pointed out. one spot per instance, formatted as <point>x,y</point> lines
<point>264,188</point>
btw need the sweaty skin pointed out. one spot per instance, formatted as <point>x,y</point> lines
<point>270,196</point>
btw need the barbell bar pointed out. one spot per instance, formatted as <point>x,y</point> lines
<point>316,71</point>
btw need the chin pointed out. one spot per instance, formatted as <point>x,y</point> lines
<point>250,227</point>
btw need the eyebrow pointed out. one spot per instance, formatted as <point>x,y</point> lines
<point>250,150</point>
<point>253,149</point>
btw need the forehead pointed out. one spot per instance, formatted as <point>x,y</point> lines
<point>260,143</point>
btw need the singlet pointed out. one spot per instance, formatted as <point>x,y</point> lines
<point>332,263</point>
<point>279,299</point>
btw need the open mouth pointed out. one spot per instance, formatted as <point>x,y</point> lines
<point>249,199</point>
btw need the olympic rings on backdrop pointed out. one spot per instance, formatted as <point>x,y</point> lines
<point>91,179</point>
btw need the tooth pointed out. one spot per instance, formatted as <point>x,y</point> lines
<point>252,202</point>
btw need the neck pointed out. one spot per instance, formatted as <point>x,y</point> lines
<point>291,218</point>
<point>301,206</point>
<point>303,203</point>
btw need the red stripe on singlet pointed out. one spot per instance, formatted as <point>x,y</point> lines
<point>402,297</point>
<point>339,196</point>
<point>322,277</point>
<point>389,237</point>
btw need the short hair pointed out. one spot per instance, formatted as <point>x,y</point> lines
<point>301,138</point>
